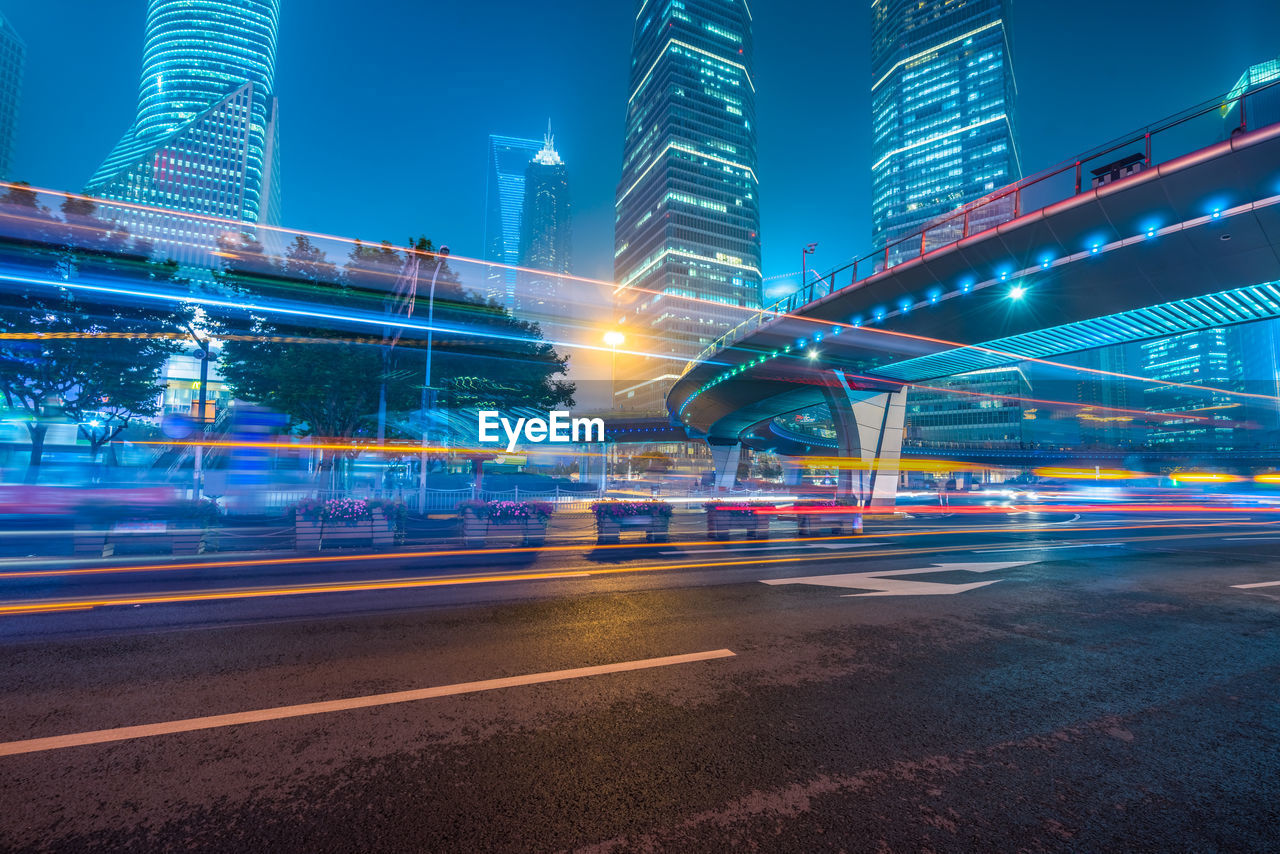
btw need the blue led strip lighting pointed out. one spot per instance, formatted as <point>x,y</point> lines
<point>1256,302</point>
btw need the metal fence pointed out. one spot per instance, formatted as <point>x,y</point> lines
<point>437,500</point>
<point>447,500</point>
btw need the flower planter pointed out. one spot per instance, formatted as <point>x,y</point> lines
<point>474,529</point>
<point>477,531</point>
<point>812,524</point>
<point>186,540</point>
<point>609,530</point>
<point>523,521</point>
<point>311,534</point>
<point>721,524</point>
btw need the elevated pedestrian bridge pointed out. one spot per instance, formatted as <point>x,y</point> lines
<point>1152,249</point>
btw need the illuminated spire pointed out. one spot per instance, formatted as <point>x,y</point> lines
<point>548,156</point>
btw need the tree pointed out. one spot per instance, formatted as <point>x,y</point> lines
<point>329,386</point>
<point>653,461</point>
<point>93,358</point>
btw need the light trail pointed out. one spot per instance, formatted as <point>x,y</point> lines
<point>241,226</point>
<point>182,597</point>
<point>379,321</point>
<point>1092,406</point>
<point>596,348</point>
<point>413,344</point>
<point>382,557</point>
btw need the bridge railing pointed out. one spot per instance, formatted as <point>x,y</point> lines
<point>1231,113</point>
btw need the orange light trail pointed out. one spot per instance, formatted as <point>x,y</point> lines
<point>39,607</point>
<point>381,557</point>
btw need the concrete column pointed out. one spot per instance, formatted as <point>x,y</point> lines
<point>869,428</point>
<point>725,458</point>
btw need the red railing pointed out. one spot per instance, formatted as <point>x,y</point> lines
<point>1010,202</point>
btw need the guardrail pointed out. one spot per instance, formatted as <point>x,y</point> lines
<point>447,500</point>
<point>437,500</point>
<point>1012,201</point>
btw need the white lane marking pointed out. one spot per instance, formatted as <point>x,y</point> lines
<point>1046,547</point>
<point>831,546</point>
<point>1251,539</point>
<point>102,736</point>
<point>1256,584</point>
<point>882,585</point>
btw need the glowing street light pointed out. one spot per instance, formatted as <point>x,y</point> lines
<point>1017,292</point>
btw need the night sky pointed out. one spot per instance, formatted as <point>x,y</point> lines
<point>386,104</point>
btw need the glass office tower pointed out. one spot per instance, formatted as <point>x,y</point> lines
<point>1207,358</point>
<point>12,56</point>
<point>687,233</point>
<point>509,159</point>
<point>942,98</point>
<point>204,140</point>
<point>546,237</point>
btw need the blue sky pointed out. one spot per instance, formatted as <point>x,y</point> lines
<point>386,104</point>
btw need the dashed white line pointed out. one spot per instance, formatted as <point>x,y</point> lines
<point>1047,547</point>
<point>102,736</point>
<point>829,546</point>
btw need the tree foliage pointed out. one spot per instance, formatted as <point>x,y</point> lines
<point>93,358</point>
<point>327,375</point>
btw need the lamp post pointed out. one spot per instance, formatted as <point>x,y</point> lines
<point>614,339</point>
<point>428,393</point>
<point>804,263</point>
<point>201,410</point>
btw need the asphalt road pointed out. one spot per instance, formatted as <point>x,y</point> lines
<point>1097,684</point>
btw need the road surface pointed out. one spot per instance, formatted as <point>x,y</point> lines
<point>1041,683</point>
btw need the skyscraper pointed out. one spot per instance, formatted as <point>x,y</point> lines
<point>204,140</point>
<point>12,56</point>
<point>546,235</point>
<point>687,233</point>
<point>1209,358</point>
<point>1261,101</point>
<point>942,98</point>
<point>505,175</point>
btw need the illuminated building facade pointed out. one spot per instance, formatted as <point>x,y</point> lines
<point>546,236</point>
<point>1206,358</point>
<point>509,159</point>
<point>687,232</point>
<point>12,57</point>
<point>205,138</point>
<point>977,414</point>
<point>942,97</point>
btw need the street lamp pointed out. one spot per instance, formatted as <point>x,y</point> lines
<point>804,263</point>
<point>202,403</point>
<point>614,339</point>
<point>428,393</point>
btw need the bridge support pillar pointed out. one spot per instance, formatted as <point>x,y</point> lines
<point>725,458</point>
<point>869,428</point>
